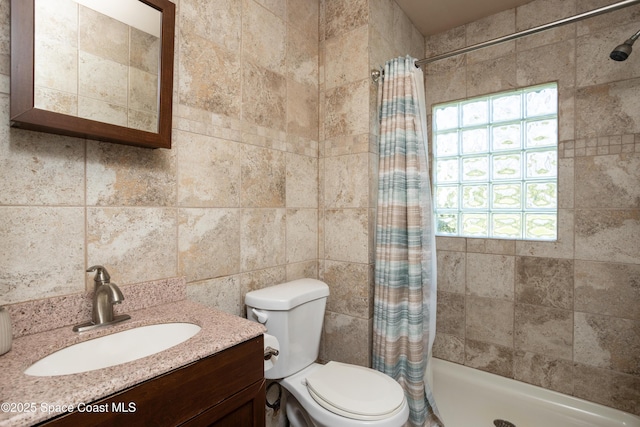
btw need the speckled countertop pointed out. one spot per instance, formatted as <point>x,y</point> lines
<point>31,397</point>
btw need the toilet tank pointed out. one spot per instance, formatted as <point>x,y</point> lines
<point>293,312</point>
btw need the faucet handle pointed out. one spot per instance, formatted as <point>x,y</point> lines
<point>102,275</point>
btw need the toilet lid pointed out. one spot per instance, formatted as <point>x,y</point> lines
<point>355,392</point>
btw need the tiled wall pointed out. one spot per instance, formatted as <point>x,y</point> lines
<point>562,315</point>
<point>355,37</point>
<point>232,206</point>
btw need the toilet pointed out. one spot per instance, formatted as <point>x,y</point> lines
<point>332,395</point>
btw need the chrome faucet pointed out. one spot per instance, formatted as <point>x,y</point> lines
<point>105,295</point>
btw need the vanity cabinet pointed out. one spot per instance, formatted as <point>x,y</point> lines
<point>226,389</point>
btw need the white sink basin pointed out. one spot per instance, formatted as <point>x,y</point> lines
<point>114,349</point>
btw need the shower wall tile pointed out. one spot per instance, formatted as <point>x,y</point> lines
<point>545,281</point>
<point>542,12</point>
<point>118,175</point>
<point>42,252</point>
<point>30,168</point>
<point>606,180</point>
<point>617,101</point>
<point>263,177</point>
<point>566,186</point>
<point>607,387</point>
<point>489,28</point>
<point>488,357</point>
<point>458,244</point>
<point>262,238</point>
<point>301,270</point>
<point>451,271</point>
<point>446,86</point>
<point>302,235</point>
<point>208,243</point>
<point>449,347</point>
<point>451,313</point>
<point>608,235</point>
<point>124,239</point>
<point>209,171</point>
<point>550,373</point>
<point>489,320</point>
<point>492,246</point>
<point>259,279</point>
<point>350,288</point>
<point>532,71</point>
<point>494,75</point>
<point>608,289</point>
<point>544,330</point>
<point>490,275</point>
<point>607,342</point>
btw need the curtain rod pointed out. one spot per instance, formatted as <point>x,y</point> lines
<point>575,18</point>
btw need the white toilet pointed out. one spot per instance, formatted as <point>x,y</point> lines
<point>331,395</point>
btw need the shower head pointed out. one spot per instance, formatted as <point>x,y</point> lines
<point>622,52</point>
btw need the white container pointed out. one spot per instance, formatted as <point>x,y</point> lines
<point>5,331</point>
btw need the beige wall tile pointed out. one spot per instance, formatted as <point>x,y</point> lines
<point>346,58</point>
<point>617,101</point>
<point>197,17</point>
<point>264,100</point>
<point>347,235</point>
<point>606,387</point>
<point>451,314</point>
<point>346,339</point>
<point>302,110</point>
<point>342,16</point>
<point>145,51</point>
<point>209,171</point>
<point>610,235</point>
<point>222,294</point>
<point>544,330</point>
<point>451,271</point>
<point>32,166</point>
<point>301,181</point>
<point>304,15</point>
<point>102,79</point>
<point>346,109</point>
<point>545,281</point>
<point>264,36</point>
<point>489,357</point>
<point>347,181</point>
<point>449,347</point>
<point>543,371</point>
<point>489,320</point>
<point>125,240</point>
<point>607,342</point>
<point>121,175</point>
<point>42,252</point>
<point>262,238</point>
<point>263,177</point>
<point>607,288</point>
<point>490,275</point>
<point>103,36</point>
<point>606,181</point>
<point>302,235</point>
<point>351,288</point>
<point>208,244</point>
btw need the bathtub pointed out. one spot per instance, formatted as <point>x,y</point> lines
<point>468,397</point>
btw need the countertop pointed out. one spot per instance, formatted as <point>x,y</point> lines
<point>34,399</point>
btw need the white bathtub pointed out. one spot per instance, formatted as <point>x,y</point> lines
<point>468,397</point>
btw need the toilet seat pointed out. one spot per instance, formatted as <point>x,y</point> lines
<point>355,392</point>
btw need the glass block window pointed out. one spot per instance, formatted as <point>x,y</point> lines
<point>496,165</point>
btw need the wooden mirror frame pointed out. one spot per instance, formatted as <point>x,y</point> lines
<point>24,114</point>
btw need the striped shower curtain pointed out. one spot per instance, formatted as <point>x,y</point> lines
<point>405,271</point>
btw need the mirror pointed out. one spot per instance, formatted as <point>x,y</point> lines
<point>94,69</point>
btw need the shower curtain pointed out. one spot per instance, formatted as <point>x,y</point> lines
<point>405,269</point>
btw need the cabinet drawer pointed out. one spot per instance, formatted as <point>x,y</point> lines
<point>178,396</point>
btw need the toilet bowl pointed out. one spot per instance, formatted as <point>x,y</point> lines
<point>394,412</point>
<point>331,395</point>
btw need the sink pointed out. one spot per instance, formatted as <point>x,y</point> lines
<point>114,349</point>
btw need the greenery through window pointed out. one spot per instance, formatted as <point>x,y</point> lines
<point>496,165</point>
